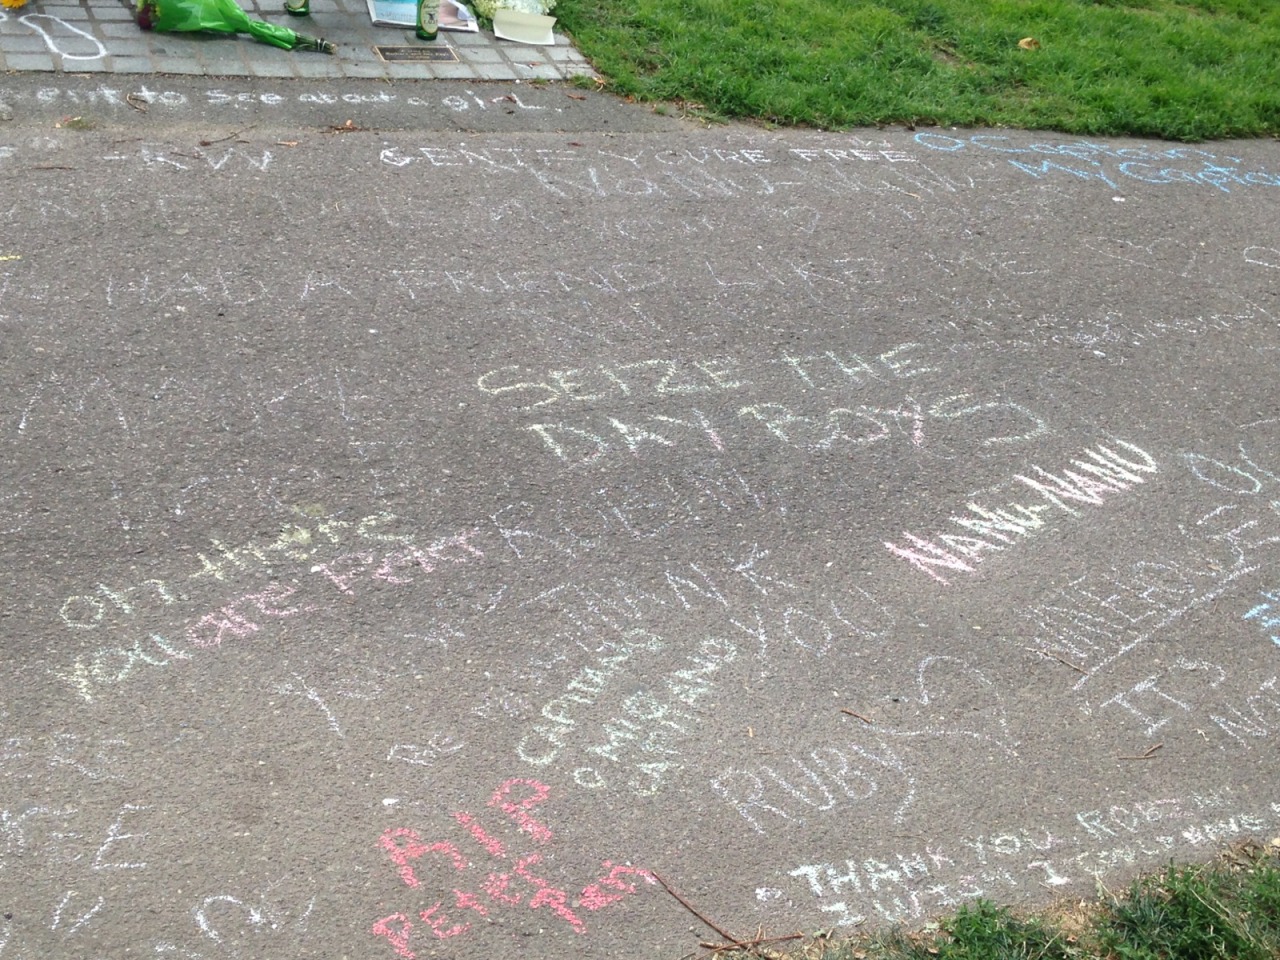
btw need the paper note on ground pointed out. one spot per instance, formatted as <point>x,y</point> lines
<point>523,27</point>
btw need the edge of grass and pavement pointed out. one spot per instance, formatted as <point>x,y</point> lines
<point>1228,909</point>
<point>1174,69</point>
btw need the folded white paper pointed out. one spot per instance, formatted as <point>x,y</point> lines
<point>523,27</point>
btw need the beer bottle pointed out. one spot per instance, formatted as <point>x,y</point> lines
<point>428,25</point>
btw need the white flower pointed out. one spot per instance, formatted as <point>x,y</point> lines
<point>487,8</point>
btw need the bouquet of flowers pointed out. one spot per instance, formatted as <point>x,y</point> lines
<point>220,16</point>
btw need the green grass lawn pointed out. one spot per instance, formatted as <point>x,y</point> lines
<point>1178,69</point>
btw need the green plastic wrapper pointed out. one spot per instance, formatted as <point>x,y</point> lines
<point>220,16</point>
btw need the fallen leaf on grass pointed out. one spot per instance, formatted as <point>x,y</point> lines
<point>1029,43</point>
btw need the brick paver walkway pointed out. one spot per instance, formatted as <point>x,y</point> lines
<point>77,36</point>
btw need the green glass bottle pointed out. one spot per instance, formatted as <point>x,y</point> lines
<point>298,8</point>
<point>428,25</point>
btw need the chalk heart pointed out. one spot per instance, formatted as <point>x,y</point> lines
<point>1163,256</point>
<point>1259,448</point>
<point>960,701</point>
<point>805,219</point>
<point>1263,257</point>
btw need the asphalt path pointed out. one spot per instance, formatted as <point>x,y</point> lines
<point>438,519</point>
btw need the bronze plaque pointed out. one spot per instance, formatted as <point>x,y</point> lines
<point>422,54</point>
